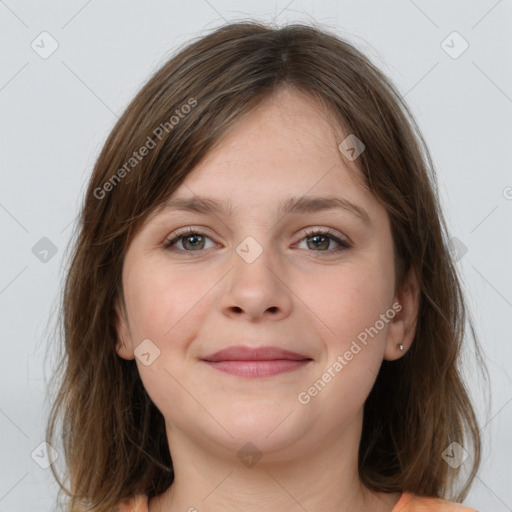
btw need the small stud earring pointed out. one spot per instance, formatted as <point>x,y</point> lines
<point>401,347</point>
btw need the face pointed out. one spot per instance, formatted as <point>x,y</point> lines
<point>253,275</point>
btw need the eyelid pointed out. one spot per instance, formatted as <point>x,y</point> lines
<point>340,238</point>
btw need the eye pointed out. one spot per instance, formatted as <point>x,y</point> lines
<point>192,240</point>
<point>320,239</point>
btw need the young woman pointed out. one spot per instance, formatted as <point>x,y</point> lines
<point>261,310</point>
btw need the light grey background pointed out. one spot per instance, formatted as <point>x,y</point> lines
<point>56,112</point>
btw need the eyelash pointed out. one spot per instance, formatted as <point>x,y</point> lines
<point>343,245</point>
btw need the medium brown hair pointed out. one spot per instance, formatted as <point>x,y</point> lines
<point>113,436</point>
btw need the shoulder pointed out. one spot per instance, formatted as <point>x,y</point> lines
<point>411,503</point>
<point>138,503</point>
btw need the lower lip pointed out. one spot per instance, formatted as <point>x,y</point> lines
<point>258,368</point>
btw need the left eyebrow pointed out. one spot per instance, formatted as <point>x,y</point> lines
<point>289,205</point>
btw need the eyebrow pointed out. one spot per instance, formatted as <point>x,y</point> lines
<point>289,205</point>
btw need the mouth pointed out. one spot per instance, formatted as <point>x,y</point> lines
<point>256,362</point>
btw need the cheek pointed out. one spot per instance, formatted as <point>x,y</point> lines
<point>165,307</point>
<point>165,302</point>
<point>354,349</point>
<point>350,299</point>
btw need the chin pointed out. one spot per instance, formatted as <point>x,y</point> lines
<point>261,429</point>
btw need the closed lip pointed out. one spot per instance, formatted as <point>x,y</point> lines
<point>244,353</point>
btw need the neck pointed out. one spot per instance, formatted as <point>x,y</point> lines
<point>321,477</point>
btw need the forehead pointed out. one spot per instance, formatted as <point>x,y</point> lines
<point>284,149</point>
<point>281,158</point>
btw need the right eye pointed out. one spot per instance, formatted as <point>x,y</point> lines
<point>190,240</point>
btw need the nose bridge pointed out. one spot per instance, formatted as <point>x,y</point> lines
<point>260,229</point>
<point>254,260</point>
<point>256,227</point>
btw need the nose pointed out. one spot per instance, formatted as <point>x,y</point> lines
<point>256,286</point>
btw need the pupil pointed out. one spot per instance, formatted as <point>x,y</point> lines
<point>316,239</point>
<point>192,237</point>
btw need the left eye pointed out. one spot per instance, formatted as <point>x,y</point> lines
<point>322,238</point>
<point>193,241</point>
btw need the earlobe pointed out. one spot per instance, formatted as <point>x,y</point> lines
<point>123,333</point>
<point>402,327</point>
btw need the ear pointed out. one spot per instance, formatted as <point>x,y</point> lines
<point>124,341</point>
<point>403,325</point>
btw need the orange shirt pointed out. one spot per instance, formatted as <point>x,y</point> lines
<point>410,503</point>
<point>407,503</point>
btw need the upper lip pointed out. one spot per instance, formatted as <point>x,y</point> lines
<point>244,353</point>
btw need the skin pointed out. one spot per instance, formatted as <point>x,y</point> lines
<point>294,295</point>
